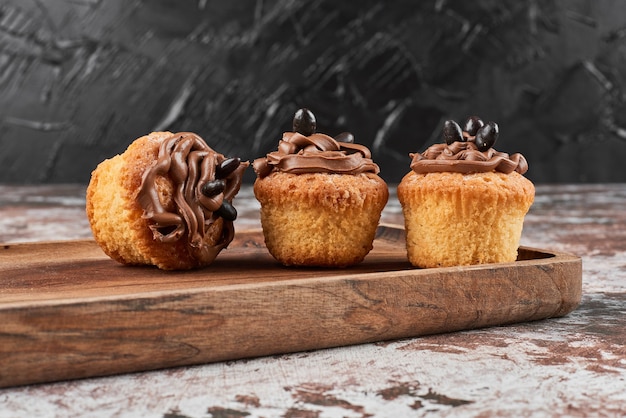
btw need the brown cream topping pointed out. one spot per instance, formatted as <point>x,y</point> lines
<point>316,153</point>
<point>189,163</point>
<point>464,157</point>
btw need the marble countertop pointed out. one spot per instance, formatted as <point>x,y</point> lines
<point>569,366</point>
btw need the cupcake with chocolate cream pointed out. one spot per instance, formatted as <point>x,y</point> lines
<point>166,201</point>
<point>464,202</point>
<point>321,197</point>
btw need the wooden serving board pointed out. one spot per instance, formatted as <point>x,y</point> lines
<point>68,311</point>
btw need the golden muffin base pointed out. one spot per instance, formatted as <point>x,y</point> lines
<point>320,219</point>
<point>115,214</point>
<point>456,219</point>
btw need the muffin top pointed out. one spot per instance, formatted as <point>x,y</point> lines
<point>468,150</point>
<point>203,183</point>
<point>305,151</point>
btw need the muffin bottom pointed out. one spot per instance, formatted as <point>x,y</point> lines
<point>454,219</point>
<point>320,219</point>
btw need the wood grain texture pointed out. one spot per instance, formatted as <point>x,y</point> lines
<point>70,312</point>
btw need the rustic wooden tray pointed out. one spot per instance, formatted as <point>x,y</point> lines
<point>67,311</point>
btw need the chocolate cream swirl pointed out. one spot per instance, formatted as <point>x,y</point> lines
<point>189,163</point>
<point>464,157</point>
<point>316,153</point>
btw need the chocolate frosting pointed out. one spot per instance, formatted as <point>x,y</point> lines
<point>189,163</point>
<point>464,157</point>
<point>316,153</point>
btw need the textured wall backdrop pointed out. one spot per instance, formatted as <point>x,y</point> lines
<point>80,79</point>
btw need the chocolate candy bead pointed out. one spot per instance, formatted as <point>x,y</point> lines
<point>304,122</point>
<point>487,136</point>
<point>213,188</point>
<point>346,137</point>
<point>472,125</point>
<point>226,167</point>
<point>452,132</point>
<point>227,211</point>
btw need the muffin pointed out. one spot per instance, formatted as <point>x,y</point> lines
<point>321,197</point>
<point>464,202</point>
<point>166,201</point>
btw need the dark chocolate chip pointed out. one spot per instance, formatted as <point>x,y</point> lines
<point>226,167</point>
<point>346,137</point>
<point>304,122</point>
<point>227,211</point>
<point>487,136</point>
<point>473,124</point>
<point>213,187</point>
<point>452,132</point>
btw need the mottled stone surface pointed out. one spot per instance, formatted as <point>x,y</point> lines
<point>79,80</point>
<point>571,366</point>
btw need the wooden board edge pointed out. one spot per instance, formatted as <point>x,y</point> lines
<point>167,330</point>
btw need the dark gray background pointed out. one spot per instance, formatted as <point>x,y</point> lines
<point>80,79</point>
